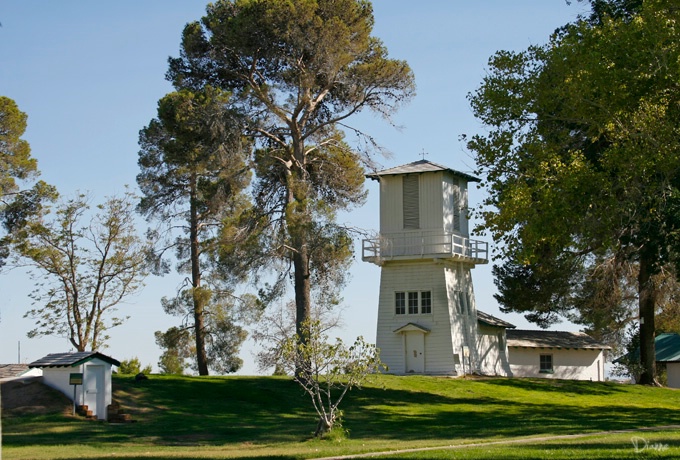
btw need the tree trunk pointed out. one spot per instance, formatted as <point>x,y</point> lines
<point>324,426</point>
<point>647,304</point>
<point>197,297</point>
<point>298,220</point>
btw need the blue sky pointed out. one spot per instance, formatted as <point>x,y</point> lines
<point>89,75</point>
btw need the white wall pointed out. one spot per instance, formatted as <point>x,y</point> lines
<point>673,374</point>
<point>492,351</point>
<point>58,378</point>
<point>580,364</point>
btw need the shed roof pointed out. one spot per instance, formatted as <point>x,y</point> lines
<point>552,339</point>
<point>667,347</point>
<point>493,321</point>
<point>12,370</point>
<point>420,166</point>
<point>72,359</point>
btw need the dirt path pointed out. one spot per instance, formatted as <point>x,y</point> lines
<point>527,440</point>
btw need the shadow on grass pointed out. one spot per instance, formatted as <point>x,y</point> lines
<point>214,411</point>
<point>574,387</point>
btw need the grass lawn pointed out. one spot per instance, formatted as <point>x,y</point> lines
<point>269,417</point>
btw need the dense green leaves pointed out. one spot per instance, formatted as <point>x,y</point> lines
<point>17,167</point>
<point>582,160</point>
<point>193,173</point>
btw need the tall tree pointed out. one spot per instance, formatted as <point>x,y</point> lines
<point>17,167</point>
<point>82,272</point>
<point>582,160</point>
<point>298,70</point>
<point>192,175</point>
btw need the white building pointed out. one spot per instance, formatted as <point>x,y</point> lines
<point>428,322</point>
<point>90,368</point>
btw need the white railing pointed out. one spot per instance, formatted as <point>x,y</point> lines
<point>423,243</point>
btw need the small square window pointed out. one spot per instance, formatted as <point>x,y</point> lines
<point>400,303</point>
<point>546,364</point>
<point>426,302</point>
<point>412,303</point>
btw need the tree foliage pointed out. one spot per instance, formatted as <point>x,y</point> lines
<point>83,269</point>
<point>297,70</point>
<point>192,176</point>
<point>327,371</point>
<point>582,163</point>
<point>133,366</point>
<point>17,168</point>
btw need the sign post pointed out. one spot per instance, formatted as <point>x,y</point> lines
<point>75,379</point>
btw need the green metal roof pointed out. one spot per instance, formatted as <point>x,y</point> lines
<point>667,347</point>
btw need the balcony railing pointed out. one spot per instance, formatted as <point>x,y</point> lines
<point>424,244</point>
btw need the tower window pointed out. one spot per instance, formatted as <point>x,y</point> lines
<point>400,303</point>
<point>412,303</point>
<point>418,302</point>
<point>425,302</point>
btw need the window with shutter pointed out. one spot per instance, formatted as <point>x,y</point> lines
<point>411,202</point>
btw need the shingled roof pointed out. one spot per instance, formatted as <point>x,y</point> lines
<point>552,339</point>
<point>72,359</point>
<point>12,370</point>
<point>421,166</point>
<point>493,321</point>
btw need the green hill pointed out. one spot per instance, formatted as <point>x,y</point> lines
<point>192,417</point>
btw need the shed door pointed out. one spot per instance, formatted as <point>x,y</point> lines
<point>415,352</point>
<point>94,390</point>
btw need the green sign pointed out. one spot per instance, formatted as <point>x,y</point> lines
<point>75,379</point>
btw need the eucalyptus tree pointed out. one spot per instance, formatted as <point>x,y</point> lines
<point>297,70</point>
<point>84,267</point>
<point>193,172</point>
<point>582,162</point>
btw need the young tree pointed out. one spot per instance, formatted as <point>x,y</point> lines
<point>17,167</point>
<point>297,70</point>
<point>582,160</point>
<point>133,366</point>
<point>329,370</point>
<point>277,327</point>
<point>192,175</point>
<point>82,273</point>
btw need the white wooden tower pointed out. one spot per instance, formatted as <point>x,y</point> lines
<point>427,317</point>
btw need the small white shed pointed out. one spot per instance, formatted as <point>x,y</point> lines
<point>92,369</point>
<point>555,354</point>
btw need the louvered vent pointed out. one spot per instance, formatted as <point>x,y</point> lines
<point>411,190</point>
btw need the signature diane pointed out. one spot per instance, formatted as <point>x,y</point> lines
<point>641,444</point>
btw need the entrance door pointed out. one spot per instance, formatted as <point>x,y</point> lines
<point>415,352</point>
<point>94,390</point>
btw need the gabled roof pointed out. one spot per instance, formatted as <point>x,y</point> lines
<point>412,327</point>
<point>552,339</point>
<point>421,166</point>
<point>12,370</point>
<point>493,321</point>
<point>72,359</point>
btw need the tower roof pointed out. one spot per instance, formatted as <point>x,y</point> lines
<point>420,166</point>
